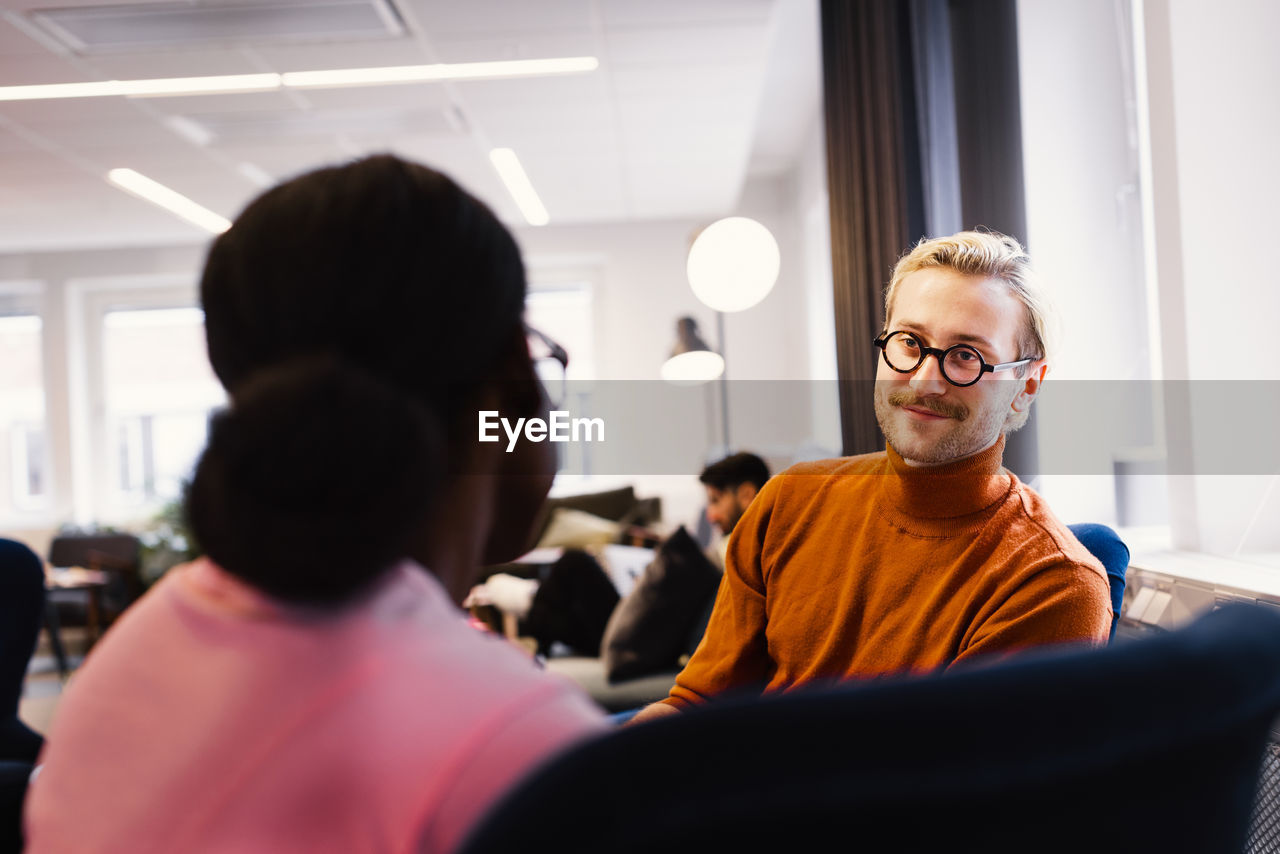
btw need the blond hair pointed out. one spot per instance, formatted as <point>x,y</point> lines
<point>992,256</point>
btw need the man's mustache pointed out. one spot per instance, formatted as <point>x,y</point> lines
<point>946,408</point>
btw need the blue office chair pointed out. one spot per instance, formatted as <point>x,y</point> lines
<point>1024,755</point>
<point>1111,551</point>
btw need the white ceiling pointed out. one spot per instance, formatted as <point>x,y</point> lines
<point>691,97</point>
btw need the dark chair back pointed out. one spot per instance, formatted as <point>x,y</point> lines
<point>1152,745</point>
<point>118,555</point>
<point>21,612</point>
<point>119,552</point>
<point>1113,554</point>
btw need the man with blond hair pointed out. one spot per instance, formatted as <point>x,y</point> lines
<point>928,554</point>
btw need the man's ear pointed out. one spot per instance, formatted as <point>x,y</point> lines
<point>745,493</point>
<point>1030,385</point>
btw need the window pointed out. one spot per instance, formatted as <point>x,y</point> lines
<point>561,308</point>
<point>158,390</point>
<point>563,311</point>
<point>24,469</point>
<point>130,405</point>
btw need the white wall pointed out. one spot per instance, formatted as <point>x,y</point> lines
<point>1203,125</point>
<point>1226,120</point>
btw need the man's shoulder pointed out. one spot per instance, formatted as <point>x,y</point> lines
<point>1041,526</point>
<point>799,489</point>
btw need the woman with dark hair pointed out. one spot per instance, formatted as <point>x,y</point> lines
<point>307,685</point>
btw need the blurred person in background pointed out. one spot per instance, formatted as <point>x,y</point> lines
<point>731,484</point>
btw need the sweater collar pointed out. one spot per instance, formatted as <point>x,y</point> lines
<point>948,493</point>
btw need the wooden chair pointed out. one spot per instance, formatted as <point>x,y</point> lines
<point>112,583</point>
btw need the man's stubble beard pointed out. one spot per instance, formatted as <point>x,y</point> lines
<point>969,431</point>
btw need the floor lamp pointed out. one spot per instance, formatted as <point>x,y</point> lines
<point>733,264</point>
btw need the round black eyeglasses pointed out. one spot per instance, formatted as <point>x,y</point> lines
<point>961,364</point>
<point>550,363</point>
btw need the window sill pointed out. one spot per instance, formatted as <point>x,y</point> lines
<point>1252,575</point>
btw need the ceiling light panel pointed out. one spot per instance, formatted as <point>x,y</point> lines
<point>519,186</point>
<point>154,87</point>
<point>158,26</point>
<point>161,196</point>
<point>427,73</point>
<point>321,79</point>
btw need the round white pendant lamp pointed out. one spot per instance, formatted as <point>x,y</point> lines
<point>733,264</point>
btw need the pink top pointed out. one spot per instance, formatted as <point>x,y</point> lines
<point>211,718</point>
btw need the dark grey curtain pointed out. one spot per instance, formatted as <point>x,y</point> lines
<point>984,45</point>
<point>923,138</point>
<point>871,140</point>
<point>936,115</point>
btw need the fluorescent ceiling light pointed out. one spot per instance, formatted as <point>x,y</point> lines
<point>441,71</point>
<point>174,202</point>
<point>143,88</point>
<point>300,79</point>
<point>519,186</point>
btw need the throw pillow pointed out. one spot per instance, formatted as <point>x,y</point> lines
<point>578,529</point>
<point>650,628</point>
<point>610,504</point>
<point>572,605</point>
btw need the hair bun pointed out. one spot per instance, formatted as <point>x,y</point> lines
<point>315,480</point>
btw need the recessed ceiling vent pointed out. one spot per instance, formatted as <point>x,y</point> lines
<point>175,25</point>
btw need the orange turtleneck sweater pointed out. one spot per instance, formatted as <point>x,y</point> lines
<point>865,566</point>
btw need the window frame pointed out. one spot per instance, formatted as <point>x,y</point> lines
<point>27,297</point>
<point>96,496</point>
<point>585,280</point>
